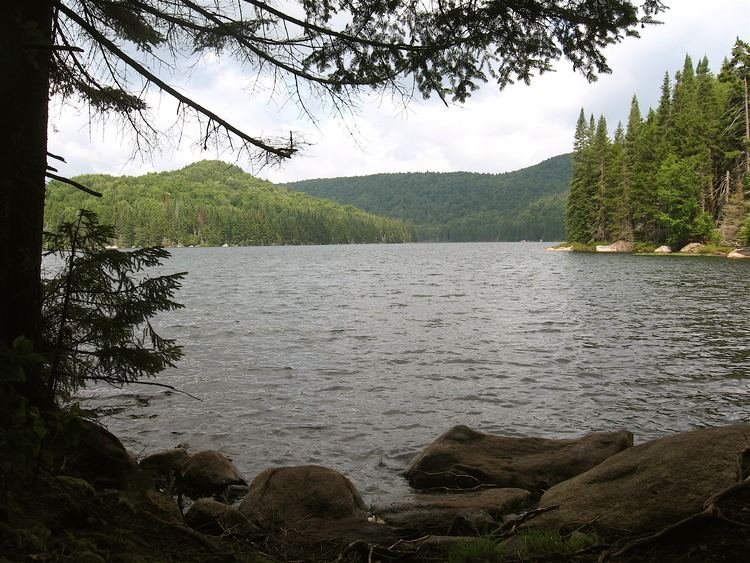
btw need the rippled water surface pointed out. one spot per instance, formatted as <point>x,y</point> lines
<point>355,357</point>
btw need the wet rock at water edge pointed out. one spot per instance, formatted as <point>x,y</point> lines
<point>309,505</point>
<point>664,249</point>
<point>209,473</point>
<point>287,496</point>
<point>463,458</point>
<point>650,486</point>
<point>459,513</point>
<point>165,462</point>
<point>212,517</point>
<point>740,253</point>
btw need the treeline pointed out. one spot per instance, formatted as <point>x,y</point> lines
<point>462,206</point>
<point>213,203</point>
<point>680,175</point>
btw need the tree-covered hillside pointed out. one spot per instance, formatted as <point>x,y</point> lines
<point>462,206</point>
<point>681,174</point>
<point>214,203</point>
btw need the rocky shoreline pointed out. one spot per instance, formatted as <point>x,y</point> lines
<point>625,247</point>
<point>626,501</point>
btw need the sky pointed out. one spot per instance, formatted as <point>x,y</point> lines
<point>495,131</point>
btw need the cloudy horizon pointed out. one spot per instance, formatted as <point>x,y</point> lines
<point>493,132</point>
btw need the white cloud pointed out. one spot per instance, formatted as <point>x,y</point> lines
<point>493,132</point>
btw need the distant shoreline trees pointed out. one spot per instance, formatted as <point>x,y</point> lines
<point>676,176</point>
<point>211,203</point>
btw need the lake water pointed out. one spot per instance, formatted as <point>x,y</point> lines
<point>355,357</point>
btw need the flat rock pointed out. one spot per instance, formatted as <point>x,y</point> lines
<point>286,497</point>
<point>692,247</point>
<point>209,473</point>
<point>463,458</point>
<point>740,253</point>
<point>212,517</point>
<point>560,248</point>
<point>650,486</point>
<point>451,513</point>
<point>618,246</point>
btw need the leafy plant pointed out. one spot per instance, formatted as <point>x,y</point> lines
<point>97,309</point>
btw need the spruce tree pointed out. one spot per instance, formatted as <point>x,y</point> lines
<point>580,216</point>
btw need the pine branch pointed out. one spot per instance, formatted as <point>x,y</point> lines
<point>151,77</point>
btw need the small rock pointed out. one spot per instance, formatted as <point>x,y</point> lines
<point>472,521</point>
<point>209,473</point>
<point>692,247</point>
<point>212,517</point>
<point>560,248</point>
<point>165,462</point>
<point>437,513</point>
<point>664,249</point>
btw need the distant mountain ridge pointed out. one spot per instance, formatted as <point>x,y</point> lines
<point>213,203</point>
<point>527,204</point>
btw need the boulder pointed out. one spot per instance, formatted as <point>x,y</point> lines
<point>463,458</point>
<point>285,497</point>
<point>740,253</point>
<point>693,247</point>
<point>618,246</point>
<point>664,249</point>
<point>652,485</point>
<point>208,473</point>
<point>99,457</point>
<point>215,518</point>
<point>454,513</point>
<point>165,462</point>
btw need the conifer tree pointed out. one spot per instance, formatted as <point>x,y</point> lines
<point>580,215</point>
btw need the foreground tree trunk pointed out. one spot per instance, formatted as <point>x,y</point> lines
<point>25,47</point>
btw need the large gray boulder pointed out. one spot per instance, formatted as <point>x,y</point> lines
<point>284,497</point>
<point>652,485</point>
<point>451,513</point>
<point>463,458</point>
<point>209,473</point>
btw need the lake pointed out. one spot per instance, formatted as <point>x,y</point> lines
<point>355,357</point>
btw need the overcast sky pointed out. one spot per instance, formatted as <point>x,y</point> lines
<point>493,132</point>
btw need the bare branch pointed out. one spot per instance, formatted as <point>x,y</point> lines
<point>72,183</point>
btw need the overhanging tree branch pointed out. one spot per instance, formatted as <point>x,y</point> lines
<point>99,37</point>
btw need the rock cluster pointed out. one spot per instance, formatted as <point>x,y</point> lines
<point>468,483</point>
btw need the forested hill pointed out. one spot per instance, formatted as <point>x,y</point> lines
<point>214,203</point>
<point>462,206</point>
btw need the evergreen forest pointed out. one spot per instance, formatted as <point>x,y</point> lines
<point>528,204</point>
<point>212,203</point>
<point>677,175</point>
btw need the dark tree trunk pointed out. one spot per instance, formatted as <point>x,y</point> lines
<point>25,49</point>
